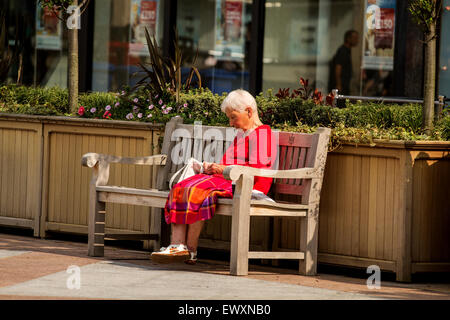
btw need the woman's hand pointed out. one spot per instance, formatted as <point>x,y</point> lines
<point>213,168</point>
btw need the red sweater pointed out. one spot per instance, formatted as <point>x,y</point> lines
<point>257,150</point>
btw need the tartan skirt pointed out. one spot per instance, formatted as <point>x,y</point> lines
<point>195,198</point>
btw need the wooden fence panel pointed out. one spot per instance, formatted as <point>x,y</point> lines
<point>356,207</point>
<point>65,204</point>
<point>20,174</point>
<point>430,207</point>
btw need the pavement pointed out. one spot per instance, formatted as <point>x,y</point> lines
<point>33,268</point>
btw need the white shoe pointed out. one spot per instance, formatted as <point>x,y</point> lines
<point>192,259</point>
<point>173,253</point>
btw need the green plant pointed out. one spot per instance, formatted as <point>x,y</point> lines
<point>139,105</point>
<point>34,100</point>
<point>305,92</point>
<point>202,105</point>
<point>358,123</point>
<point>426,14</point>
<point>61,6</point>
<point>164,74</point>
<point>442,127</point>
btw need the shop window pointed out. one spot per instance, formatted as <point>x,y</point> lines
<point>44,61</point>
<point>119,40</point>
<point>444,61</point>
<point>220,30</point>
<point>305,38</point>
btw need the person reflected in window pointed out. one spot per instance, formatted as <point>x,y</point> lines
<point>341,69</point>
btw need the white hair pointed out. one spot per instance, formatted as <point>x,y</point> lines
<point>238,100</point>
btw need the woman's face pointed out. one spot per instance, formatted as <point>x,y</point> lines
<point>239,120</point>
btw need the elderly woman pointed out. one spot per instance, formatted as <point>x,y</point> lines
<point>193,200</point>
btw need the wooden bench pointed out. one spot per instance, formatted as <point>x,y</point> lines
<point>301,165</point>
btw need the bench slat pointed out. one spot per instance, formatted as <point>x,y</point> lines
<point>303,140</point>
<point>294,164</point>
<point>302,162</point>
<point>275,255</point>
<point>138,200</point>
<point>145,192</point>
<point>276,212</point>
<point>288,188</point>
<point>270,204</point>
<point>156,198</point>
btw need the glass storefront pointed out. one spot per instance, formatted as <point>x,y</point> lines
<point>317,36</point>
<point>313,39</point>
<point>444,61</point>
<point>119,40</point>
<point>45,46</point>
<point>220,29</point>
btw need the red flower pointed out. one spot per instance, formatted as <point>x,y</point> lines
<point>330,99</point>
<point>81,110</point>
<point>317,97</point>
<point>283,93</point>
<point>107,115</point>
<point>304,82</point>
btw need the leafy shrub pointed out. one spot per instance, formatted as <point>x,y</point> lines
<point>34,100</point>
<point>359,122</point>
<point>442,127</point>
<point>202,105</point>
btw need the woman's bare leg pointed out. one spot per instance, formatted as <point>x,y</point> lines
<point>193,233</point>
<point>178,234</point>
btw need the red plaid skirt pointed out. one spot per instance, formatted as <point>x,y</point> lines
<point>194,199</point>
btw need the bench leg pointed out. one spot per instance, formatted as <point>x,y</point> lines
<point>240,226</point>
<point>96,229</point>
<point>308,244</point>
<point>155,228</point>
<point>240,229</point>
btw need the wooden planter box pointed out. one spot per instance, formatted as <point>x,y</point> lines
<point>386,205</point>
<point>21,152</point>
<point>43,185</point>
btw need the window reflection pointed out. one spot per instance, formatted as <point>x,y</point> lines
<point>51,49</point>
<point>444,61</point>
<point>311,43</point>
<point>119,40</point>
<point>220,30</point>
<point>44,59</point>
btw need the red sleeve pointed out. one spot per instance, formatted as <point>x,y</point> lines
<point>259,151</point>
<point>262,154</point>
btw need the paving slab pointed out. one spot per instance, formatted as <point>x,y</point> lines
<point>33,268</point>
<point>119,280</point>
<point>11,253</point>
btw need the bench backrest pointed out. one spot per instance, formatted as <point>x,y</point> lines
<point>208,143</point>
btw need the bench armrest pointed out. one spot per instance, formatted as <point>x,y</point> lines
<point>100,163</point>
<point>91,159</point>
<point>233,173</point>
